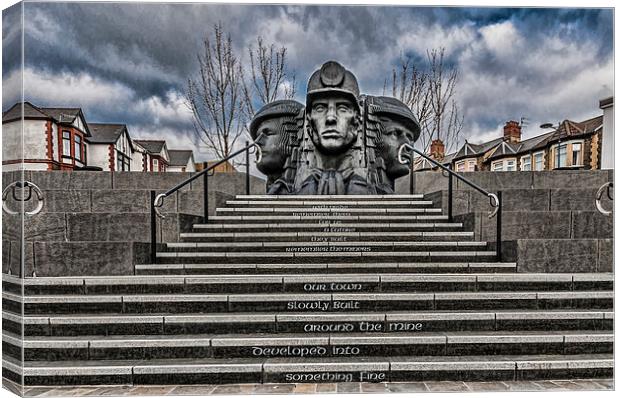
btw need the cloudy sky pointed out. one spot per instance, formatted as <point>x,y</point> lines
<point>129,62</point>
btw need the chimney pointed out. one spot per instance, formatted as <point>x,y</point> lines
<point>437,149</point>
<point>512,132</point>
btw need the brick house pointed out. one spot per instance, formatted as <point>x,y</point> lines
<point>110,147</point>
<point>158,158</point>
<point>53,138</point>
<point>573,145</point>
<point>181,160</point>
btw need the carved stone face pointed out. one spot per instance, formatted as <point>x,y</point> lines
<point>334,124</point>
<point>270,142</point>
<point>394,135</point>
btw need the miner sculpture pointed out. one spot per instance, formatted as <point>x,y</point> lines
<point>341,143</point>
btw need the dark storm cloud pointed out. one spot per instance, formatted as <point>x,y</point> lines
<point>129,62</point>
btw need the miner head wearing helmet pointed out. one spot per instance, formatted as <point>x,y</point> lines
<point>332,109</point>
<point>274,129</point>
<point>398,126</point>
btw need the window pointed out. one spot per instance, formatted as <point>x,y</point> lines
<point>123,162</point>
<point>539,161</point>
<point>576,154</point>
<point>78,147</point>
<point>155,165</point>
<point>511,165</point>
<point>66,143</point>
<point>526,163</point>
<point>471,165</point>
<point>560,155</point>
<point>460,166</point>
<point>498,166</point>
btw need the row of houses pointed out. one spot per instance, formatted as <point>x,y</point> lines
<point>584,145</point>
<point>62,139</point>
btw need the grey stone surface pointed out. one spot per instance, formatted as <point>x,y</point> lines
<point>557,255</point>
<point>591,225</point>
<point>148,181</point>
<point>66,200</point>
<point>605,255</point>
<point>120,201</point>
<point>82,258</point>
<point>191,202</point>
<point>569,178</point>
<point>42,227</point>
<point>527,225</point>
<point>72,180</point>
<point>231,183</point>
<point>574,198</point>
<point>116,227</point>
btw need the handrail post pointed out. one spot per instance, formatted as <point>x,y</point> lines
<point>498,235</point>
<point>205,198</point>
<point>247,168</point>
<point>411,175</point>
<point>449,197</point>
<point>153,230</point>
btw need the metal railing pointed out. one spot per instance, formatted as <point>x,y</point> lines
<point>608,186</point>
<point>495,200</point>
<point>22,185</point>
<point>157,201</point>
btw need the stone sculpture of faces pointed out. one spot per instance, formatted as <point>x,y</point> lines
<point>273,129</point>
<point>398,126</point>
<point>334,123</point>
<point>333,113</point>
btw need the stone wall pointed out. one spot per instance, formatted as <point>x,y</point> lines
<point>549,219</point>
<point>98,223</point>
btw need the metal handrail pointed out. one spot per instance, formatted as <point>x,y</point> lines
<point>608,186</point>
<point>23,184</point>
<point>157,201</point>
<point>494,199</point>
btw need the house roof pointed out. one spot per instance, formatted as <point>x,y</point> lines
<point>30,111</point>
<point>180,157</point>
<point>59,115</point>
<point>423,164</point>
<point>469,149</point>
<point>105,133</point>
<point>153,146</point>
<point>62,115</point>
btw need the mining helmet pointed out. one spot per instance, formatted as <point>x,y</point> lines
<point>274,109</point>
<point>395,109</point>
<point>332,77</point>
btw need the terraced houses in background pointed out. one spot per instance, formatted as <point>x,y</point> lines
<point>62,139</point>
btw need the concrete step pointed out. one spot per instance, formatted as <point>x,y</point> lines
<point>300,247</point>
<point>309,322</point>
<point>308,345</point>
<point>320,211</point>
<point>328,218</point>
<point>310,370</point>
<point>329,227</point>
<point>313,255</point>
<point>331,204</point>
<point>295,302</point>
<point>317,236</point>
<point>322,198</point>
<point>286,283</point>
<point>219,268</point>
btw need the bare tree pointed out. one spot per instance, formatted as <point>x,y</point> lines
<point>446,122</point>
<point>216,96</point>
<point>429,92</point>
<point>268,75</point>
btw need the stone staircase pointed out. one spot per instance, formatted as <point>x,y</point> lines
<point>312,289</point>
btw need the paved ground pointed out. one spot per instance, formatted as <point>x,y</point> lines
<point>231,389</point>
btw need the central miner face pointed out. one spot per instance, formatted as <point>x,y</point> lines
<point>334,122</point>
